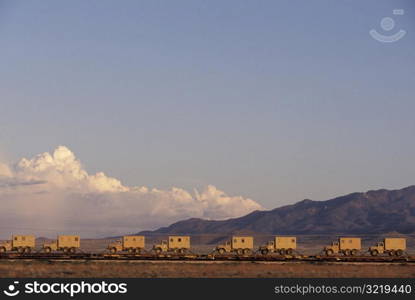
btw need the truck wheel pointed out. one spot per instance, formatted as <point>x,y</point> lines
<point>374,252</point>
<point>65,250</point>
<point>2,250</point>
<point>20,250</point>
<point>399,252</point>
<point>221,251</point>
<point>264,251</point>
<point>130,250</point>
<point>137,251</point>
<point>72,250</point>
<point>157,250</point>
<point>48,250</point>
<point>290,251</point>
<point>329,252</point>
<point>239,251</point>
<point>113,250</point>
<point>353,252</point>
<point>247,251</point>
<point>282,251</point>
<point>391,253</point>
<point>27,250</point>
<point>346,252</point>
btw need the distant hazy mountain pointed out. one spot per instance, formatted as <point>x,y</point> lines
<point>374,212</point>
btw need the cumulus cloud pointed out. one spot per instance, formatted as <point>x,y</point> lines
<point>5,170</point>
<point>52,193</point>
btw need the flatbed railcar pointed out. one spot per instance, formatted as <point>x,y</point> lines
<point>239,248</point>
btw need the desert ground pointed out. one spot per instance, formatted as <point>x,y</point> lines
<point>211,269</point>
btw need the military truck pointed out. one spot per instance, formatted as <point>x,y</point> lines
<point>130,243</point>
<point>390,246</point>
<point>238,244</point>
<point>64,243</point>
<point>345,245</point>
<point>281,245</point>
<point>19,243</point>
<point>176,244</point>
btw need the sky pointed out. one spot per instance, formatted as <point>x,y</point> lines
<point>249,104</point>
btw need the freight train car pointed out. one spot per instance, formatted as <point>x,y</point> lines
<point>130,243</point>
<point>19,243</point>
<point>238,244</point>
<point>64,243</point>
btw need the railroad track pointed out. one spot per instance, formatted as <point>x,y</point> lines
<point>205,257</point>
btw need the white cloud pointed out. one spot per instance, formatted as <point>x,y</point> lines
<point>52,193</point>
<point>5,170</point>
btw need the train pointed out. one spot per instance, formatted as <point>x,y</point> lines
<point>237,246</point>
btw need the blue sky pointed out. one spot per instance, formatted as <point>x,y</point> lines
<point>273,100</point>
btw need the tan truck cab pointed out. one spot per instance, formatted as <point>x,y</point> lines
<point>238,244</point>
<point>344,245</point>
<point>130,243</point>
<point>64,243</point>
<point>283,245</point>
<point>176,244</point>
<point>19,243</point>
<point>390,246</point>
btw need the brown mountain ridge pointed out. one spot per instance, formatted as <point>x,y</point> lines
<point>373,212</point>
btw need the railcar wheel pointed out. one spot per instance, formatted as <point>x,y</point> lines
<point>247,251</point>
<point>264,251</point>
<point>329,252</point>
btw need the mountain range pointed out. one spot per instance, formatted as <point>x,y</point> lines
<point>374,212</point>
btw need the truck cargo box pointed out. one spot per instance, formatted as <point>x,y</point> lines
<point>395,244</point>
<point>242,242</point>
<point>133,241</point>
<point>69,241</point>
<point>179,242</point>
<point>285,242</point>
<point>350,243</point>
<point>23,241</point>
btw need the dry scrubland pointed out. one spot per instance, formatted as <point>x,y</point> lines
<point>158,269</point>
